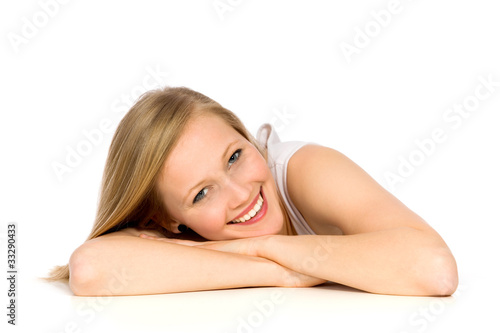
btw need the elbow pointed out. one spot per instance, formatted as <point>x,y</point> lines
<point>441,277</point>
<point>82,272</point>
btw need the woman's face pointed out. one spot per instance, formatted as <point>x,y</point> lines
<point>218,184</point>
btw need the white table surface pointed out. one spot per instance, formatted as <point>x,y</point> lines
<point>326,308</point>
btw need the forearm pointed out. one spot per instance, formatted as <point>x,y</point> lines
<point>402,261</point>
<point>126,265</point>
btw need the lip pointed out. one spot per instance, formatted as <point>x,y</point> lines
<point>259,215</point>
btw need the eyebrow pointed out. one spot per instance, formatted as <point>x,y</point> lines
<point>223,160</point>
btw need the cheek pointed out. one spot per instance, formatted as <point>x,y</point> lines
<point>207,220</point>
<point>256,167</point>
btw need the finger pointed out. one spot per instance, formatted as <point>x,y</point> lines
<point>147,236</point>
<point>186,242</point>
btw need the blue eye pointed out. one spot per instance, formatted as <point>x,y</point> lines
<point>234,157</point>
<point>200,195</point>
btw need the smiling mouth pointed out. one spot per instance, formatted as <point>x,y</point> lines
<point>254,214</point>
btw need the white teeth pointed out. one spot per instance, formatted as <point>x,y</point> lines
<point>252,211</point>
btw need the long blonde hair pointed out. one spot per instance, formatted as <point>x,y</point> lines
<point>142,142</point>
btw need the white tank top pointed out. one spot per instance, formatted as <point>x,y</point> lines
<point>278,155</point>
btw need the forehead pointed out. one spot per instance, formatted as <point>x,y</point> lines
<point>198,153</point>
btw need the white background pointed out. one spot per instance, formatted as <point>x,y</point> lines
<point>68,72</point>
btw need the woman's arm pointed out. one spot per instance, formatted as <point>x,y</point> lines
<point>400,261</point>
<point>386,248</point>
<point>121,263</point>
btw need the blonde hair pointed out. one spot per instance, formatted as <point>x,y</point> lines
<point>142,142</point>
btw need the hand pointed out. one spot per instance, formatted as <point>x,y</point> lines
<point>297,280</point>
<point>245,246</point>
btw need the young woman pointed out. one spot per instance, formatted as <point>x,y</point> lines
<point>191,201</point>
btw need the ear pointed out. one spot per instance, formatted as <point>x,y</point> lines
<point>166,222</point>
<point>173,226</point>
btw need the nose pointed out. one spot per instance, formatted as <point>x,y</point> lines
<point>238,194</point>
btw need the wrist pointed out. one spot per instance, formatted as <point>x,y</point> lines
<point>267,273</point>
<point>262,246</point>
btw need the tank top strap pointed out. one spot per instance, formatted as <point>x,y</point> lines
<point>278,155</point>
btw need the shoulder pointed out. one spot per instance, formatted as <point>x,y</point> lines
<point>311,155</point>
<point>315,163</point>
<point>314,180</point>
<point>330,189</point>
